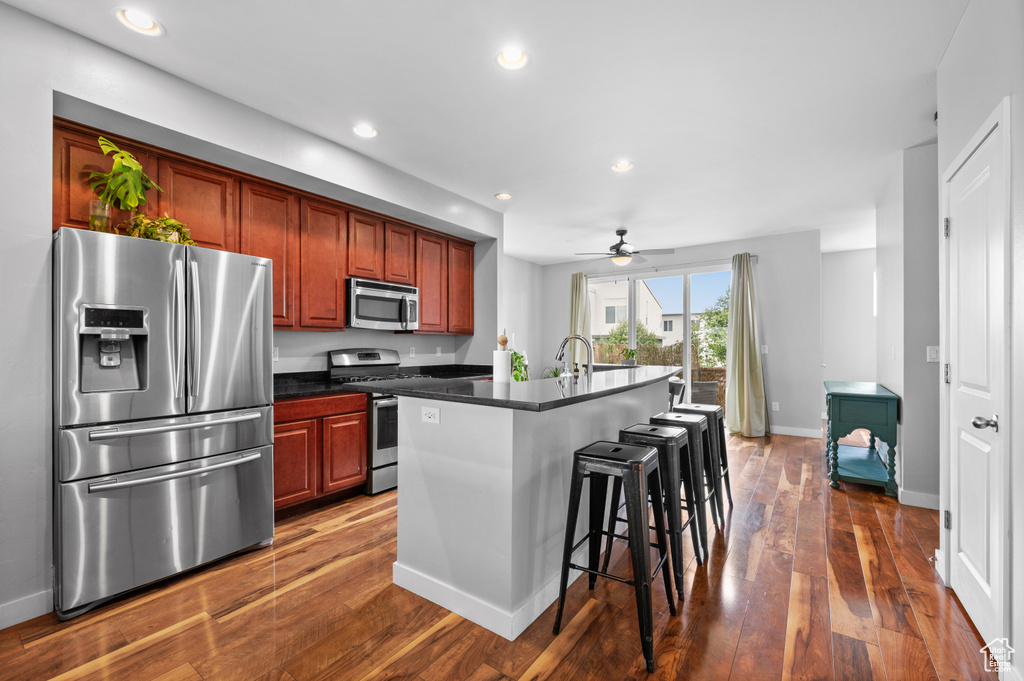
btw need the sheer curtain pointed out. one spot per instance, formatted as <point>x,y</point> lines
<point>746,411</point>
<point>579,317</point>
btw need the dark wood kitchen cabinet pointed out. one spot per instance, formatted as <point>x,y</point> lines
<point>432,280</point>
<point>365,246</point>
<point>295,469</point>
<point>206,200</point>
<point>460,288</point>
<point>323,233</point>
<point>399,254</point>
<point>270,229</point>
<point>75,156</point>
<point>320,446</point>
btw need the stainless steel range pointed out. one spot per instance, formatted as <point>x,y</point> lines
<point>360,365</point>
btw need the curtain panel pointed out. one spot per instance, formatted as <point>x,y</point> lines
<point>746,410</point>
<point>579,317</point>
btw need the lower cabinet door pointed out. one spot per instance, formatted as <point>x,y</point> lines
<point>344,451</point>
<point>295,462</point>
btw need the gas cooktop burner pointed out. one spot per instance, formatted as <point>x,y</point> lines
<point>364,378</point>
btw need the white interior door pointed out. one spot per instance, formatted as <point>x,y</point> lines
<point>978,208</point>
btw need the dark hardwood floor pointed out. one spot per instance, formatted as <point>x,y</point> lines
<point>804,582</point>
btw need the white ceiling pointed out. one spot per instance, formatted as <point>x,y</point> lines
<point>743,117</point>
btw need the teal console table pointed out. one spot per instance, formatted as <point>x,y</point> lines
<point>853,405</point>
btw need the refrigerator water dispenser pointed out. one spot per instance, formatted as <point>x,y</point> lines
<point>112,342</point>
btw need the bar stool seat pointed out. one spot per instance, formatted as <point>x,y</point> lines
<point>716,422</point>
<point>700,444</point>
<point>676,466</point>
<point>637,466</point>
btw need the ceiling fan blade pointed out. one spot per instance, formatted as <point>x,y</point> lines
<point>638,260</point>
<point>658,251</point>
<point>607,255</point>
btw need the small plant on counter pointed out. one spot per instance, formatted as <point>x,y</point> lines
<point>552,372</point>
<point>520,371</point>
<point>628,357</point>
<point>158,229</point>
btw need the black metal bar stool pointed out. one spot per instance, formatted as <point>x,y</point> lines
<point>700,444</point>
<point>716,422</point>
<point>675,464</point>
<point>637,466</point>
<point>676,391</point>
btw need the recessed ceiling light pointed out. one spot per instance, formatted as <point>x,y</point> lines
<point>140,22</point>
<point>503,196</point>
<point>512,58</point>
<point>364,130</point>
<point>622,166</point>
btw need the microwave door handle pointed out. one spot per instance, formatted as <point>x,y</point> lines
<point>403,314</point>
<point>195,349</point>
<point>179,328</point>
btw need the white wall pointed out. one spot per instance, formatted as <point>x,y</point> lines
<point>847,318</point>
<point>522,310</point>
<point>983,64</point>
<point>788,289</point>
<point>907,258</point>
<point>41,67</point>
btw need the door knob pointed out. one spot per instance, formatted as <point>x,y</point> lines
<point>980,422</point>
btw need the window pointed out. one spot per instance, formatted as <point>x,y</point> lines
<point>609,315</point>
<point>666,325</point>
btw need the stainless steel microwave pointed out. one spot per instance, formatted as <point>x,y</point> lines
<point>380,305</point>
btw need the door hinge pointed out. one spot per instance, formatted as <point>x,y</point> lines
<point>947,521</point>
<point>945,374</point>
<point>945,227</point>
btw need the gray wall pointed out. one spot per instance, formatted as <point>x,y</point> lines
<point>43,67</point>
<point>848,325</point>
<point>983,64</point>
<point>523,310</point>
<point>907,242</point>
<point>787,277</point>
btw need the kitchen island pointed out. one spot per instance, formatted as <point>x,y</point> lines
<point>484,482</point>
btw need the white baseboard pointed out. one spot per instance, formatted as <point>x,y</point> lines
<point>487,615</point>
<point>796,432</point>
<point>912,498</point>
<point>1015,673</point>
<point>940,566</point>
<point>25,608</point>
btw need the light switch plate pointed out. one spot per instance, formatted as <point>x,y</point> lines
<point>932,353</point>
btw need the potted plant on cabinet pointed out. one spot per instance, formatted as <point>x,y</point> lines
<point>125,187</point>
<point>628,358</point>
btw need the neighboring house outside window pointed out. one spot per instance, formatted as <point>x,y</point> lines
<point>666,325</point>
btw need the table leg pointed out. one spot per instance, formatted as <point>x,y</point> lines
<point>890,484</point>
<point>834,465</point>
<point>871,444</point>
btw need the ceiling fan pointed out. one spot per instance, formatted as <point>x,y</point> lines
<point>623,253</point>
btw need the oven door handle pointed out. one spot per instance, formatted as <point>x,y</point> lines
<point>387,402</point>
<point>114,483</point>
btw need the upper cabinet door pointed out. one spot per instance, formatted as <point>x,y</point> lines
<point>75,155</point>
<point>399,254</point>
<point>270,229</point>
<point>365,247</point>
<point>460,288</point>
<point>204,199</point>
<point>432,280</point>
<point>323,233</point>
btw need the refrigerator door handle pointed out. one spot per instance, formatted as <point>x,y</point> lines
<point>104,486</point>
<point>197,332</point>
<point>112,433</point>
<point>179,328</point>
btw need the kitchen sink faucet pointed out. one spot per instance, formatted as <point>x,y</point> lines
<point>590,351</point>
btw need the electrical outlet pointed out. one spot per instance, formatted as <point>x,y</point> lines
<point>438,350</point>
<point>431,415</point>
<point>764,349</point>
<point>412,352</point>
<point>775,406</point>
<point>277,355</point>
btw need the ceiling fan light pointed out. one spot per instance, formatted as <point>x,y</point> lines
<point>622,260</point>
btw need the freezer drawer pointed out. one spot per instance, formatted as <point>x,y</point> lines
<point>90,451</point>
<point>116,533</point>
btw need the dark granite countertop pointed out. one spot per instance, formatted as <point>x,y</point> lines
<point>313,383</point>
<point>536,395</point>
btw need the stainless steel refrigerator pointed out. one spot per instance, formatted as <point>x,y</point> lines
<point>163,424</point>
